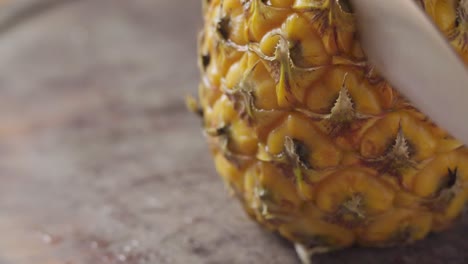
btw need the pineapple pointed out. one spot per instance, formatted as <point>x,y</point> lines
<point>312,140</point>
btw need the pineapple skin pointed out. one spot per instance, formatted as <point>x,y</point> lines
<point>311,139</point>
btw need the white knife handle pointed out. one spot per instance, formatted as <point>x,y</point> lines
<point>410,52</point>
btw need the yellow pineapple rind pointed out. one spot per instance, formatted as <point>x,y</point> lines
<point>310,138</point>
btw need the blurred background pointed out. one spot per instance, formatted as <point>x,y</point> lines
<point>99,160</point>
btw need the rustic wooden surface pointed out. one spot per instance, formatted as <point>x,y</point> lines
<point>100,162</point>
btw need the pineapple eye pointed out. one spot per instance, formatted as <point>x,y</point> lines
<point>222,27</point>
<point>462,12</point>
<point>298,151</point>
<point>449,181</point>
<point>345,6</point>
<point>205,60</point>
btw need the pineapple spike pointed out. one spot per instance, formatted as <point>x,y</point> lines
<point>282,59</point>
<point>354,205</point>
<point>400,148</point>
<point>397,158</point>
<point>263,7</point>
<point>343,113</point>
<point>305,254</point>
<point>311,5</point>
<point>282,53</point>
<point>244,89</point>
<point>254,47</point>
<point>194,106</point>
<point>221,27</point>
<point>221,130</point>
<point>299,177</point>
<point>264,155</point>
<point>294,151</point>
<point>243,83</point>
<point>342,6</point>
<point>459,33</point>
<point>345,6</point>
<point>449,189</point>
<point>222,134</point>
<point>285,84</point>
<point>235,158</point>
<point>343,110</point>
<point>202,61</point>
<point>272,215</point>
<point>298,152</point>
<point>312,115</point>
<point>330,14</point>
<point>462,12</point>
<point>266,206</point>
<point>341,60</point>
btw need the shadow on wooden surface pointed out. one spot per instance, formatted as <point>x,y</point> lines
<point>100,162</point>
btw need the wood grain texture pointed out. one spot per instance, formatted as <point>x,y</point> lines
<point>101,163</point>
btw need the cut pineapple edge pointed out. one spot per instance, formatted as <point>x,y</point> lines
<point>315,144</point>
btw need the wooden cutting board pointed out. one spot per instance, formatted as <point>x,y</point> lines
<point>100,162</point>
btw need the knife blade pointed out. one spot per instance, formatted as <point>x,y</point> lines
<point>413,55</point>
